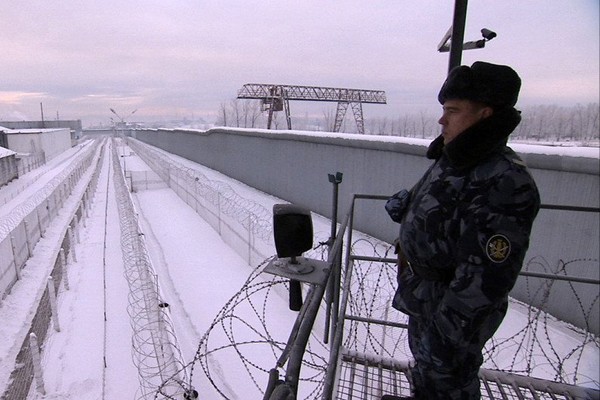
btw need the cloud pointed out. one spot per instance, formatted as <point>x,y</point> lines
<point>16,98</point>
<point>183,56</point>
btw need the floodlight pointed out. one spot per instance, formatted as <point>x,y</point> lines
<point>292,230</point>
<point>293,233</point>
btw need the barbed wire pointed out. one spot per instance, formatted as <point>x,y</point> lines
<point>14,218</point>
<point>244,323</point>
<point>534,345</point>
<point>537,338</point>
<point>156,353</point>
<point>248,213</point>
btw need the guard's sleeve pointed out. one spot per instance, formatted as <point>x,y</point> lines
<point>495,224</point>
<point>397,204</point>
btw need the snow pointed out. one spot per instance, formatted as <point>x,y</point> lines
<point>4,152</point>
<point>90,358</point>
<point>573,149</point>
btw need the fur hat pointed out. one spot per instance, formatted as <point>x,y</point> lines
<point>494,85</point>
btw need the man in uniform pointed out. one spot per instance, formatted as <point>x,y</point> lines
<point>464,232</point>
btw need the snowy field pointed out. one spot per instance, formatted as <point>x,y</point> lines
<point>90,357</point>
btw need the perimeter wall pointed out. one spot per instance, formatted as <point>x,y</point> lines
<point>294,166</point>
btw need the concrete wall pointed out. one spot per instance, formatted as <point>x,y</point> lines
<point>51,141</point>
<point>73,125</point>
<point>8,166</point>
<point>294,166</point>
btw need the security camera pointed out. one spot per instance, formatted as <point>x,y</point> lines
<point>487,34</point>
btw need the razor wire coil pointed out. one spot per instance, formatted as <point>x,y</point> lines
<point>371,293</point>
<point>155,349</point>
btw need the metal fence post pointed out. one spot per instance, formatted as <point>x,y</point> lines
<point>37,363</point>
<point>39,222</point>
<point>76,231</point>
<point>53,305</point>
<point>14,249</point>
<point>63,263</point>
<point>27,238</point>
<point>82,208</point>
<point>72,243</point>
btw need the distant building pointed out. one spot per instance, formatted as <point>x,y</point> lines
<point>73,125</point>
<point>8,166</point>
<point>32,141</point>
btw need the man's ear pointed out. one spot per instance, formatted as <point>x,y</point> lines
<point>487,112</point>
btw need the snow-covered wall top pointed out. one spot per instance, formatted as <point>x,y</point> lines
<point>294,165</point>
<point>51,141</point>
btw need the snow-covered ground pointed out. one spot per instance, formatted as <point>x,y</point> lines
<point>90,358</point>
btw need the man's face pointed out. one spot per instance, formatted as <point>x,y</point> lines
<point>458,115</point>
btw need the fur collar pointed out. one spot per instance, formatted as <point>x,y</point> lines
<point>479,141</point>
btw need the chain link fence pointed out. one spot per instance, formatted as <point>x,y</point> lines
<point>42,208</point>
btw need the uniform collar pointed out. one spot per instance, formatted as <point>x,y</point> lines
<point>477,142</point>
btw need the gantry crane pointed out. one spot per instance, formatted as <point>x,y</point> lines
<point>277,97</point>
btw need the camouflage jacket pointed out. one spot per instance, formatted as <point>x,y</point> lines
<point>464,232</point>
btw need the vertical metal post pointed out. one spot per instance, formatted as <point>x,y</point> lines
<point>331,312</point>
<point>84,212</point>
<point>458,33</point>
<point>72,244</point>
<point>63,263</point>
<point>53,305</point>
<point>15,253</point>
<point>76,231</point>
<point>342,107</point>
<point>88,203</point>
<point>37,213</point>
<point>34,348</point>
<point>286,107</point>
<point>270,117</point>
<point>26,225</point>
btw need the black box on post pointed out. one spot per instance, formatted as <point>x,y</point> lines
<point>292,230</point>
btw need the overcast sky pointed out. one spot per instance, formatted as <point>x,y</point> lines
<point>183,58</point>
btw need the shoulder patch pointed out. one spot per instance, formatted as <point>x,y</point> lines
<point>498,248</point>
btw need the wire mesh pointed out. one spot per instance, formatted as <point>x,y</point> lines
<point>22,374</point>
<point>371,291</point>
<point>243,223</point>
<point>243,329</point>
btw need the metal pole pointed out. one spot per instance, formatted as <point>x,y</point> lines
<point>34,348</point>
<point>53,305</point>
<point>458,33</point>
<point>71,236</point>
<point>270,117</point>
<point>331,314</point>
<point>63,263</point>
<point>15,257</point>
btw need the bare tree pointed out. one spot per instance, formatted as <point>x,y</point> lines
<point>541,122</point>
<point>254,112</point>
<point>222,115</point>
<point>328,119</point>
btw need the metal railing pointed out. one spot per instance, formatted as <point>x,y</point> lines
<point>369,375</point>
